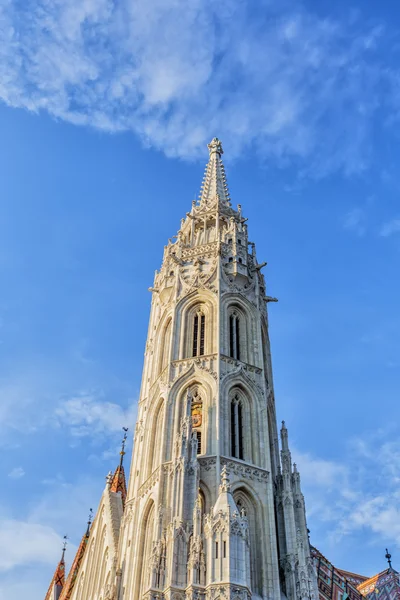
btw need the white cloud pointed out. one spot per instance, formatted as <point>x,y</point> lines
<point>16,473</point>
<point>24,543</point>
<point>355,221</point>
<point>390,228</point>
<point>360,494</point>
<point>293,84</point>
<point>89,414</point>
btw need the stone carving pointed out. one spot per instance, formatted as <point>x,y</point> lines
<point>149,483</point>
<point>246,472</point>
<point>207,463</point>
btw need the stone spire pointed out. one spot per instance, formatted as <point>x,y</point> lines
<point>57,583</point>
<point>118,482</point>
<point>73,573</point>
<point>214,189</point>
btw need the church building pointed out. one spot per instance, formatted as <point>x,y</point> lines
<point>213,509</point>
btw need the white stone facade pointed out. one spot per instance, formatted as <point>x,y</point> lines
<point>212,509</point>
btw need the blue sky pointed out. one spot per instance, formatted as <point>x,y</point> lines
<point>105,114</point>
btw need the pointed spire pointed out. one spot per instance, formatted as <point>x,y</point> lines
<point>57,583</point>
<point>284,437</point>
<point>66,591</point>
<point>118,482</point>
<point>214,188</point>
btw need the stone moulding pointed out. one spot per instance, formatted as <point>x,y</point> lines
<point>148,484</point>
<point>245,471</point>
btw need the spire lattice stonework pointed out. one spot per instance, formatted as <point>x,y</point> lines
<point>214,188</point>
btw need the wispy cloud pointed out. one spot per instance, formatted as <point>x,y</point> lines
<point>276,76</point>
<point>359,494</point>
<point>23,542</point>
<point>16,473</point>
<point>390,228</point>
<point>356,221</point>
<point>90,414</point>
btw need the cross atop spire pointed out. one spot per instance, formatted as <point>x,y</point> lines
<point>214,188</point>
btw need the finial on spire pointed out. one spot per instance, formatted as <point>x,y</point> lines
<point>89,522</point>
<point>284,437</point>
<point>122,453</point>
<point>388,557</point>
<point>117,482</point>
<point>64,547</point>
<point>215,146</point>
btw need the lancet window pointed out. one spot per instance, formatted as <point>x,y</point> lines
<point>146,542</point>
<point>199,326</point>
<point>234,336</point>
<point>246,506</point>
<point>237,427</point>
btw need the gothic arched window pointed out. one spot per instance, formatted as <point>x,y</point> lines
<point>234,336</point>
<point>246,504</point>
<point>146,542</point>
<point>199,326</point>
<point>237,427</point>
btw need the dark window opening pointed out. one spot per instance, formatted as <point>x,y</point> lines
<point>216,549</point>
<point>233,430</point>
<point>195,335</point>
<point>234,336</point>
<point>198,442</point>
<point>202,334</point>
<point>237,339</point>
<point>240,428</point>
<point>237,429</point>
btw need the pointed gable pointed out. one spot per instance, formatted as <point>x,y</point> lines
<point>57,583</point>
<point>383,586</point>
<point>118,483</point>
<point>73,574</point>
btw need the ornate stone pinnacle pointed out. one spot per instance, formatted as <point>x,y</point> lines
<point>225,483</point>
<point>215,146</point>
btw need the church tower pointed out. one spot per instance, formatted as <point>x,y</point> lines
<point>213,509</point>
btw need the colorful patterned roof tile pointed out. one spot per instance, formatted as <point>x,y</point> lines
<point>73,573</point>
<point>57,583</point>
<point>118,483</point>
